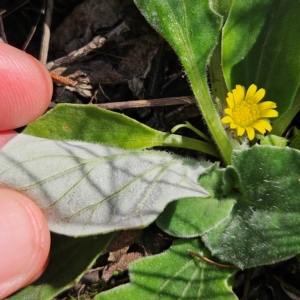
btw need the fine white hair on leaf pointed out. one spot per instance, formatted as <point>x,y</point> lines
<point>86,189</point>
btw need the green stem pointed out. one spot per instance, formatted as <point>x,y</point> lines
<point>213,122</point>
<point>178,141</point>
<point>209,112</point>
<point>191,127</point>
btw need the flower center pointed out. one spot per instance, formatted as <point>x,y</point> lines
<point>245,113</point>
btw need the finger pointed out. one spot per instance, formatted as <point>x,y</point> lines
<point>6,136</point>
<point>25,88</point>
<point>24,240</point>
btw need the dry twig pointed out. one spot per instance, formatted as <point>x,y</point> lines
<point>33,28</point>
<point>62,80</point>
<point>13,8</point>
<point>145,103</point>
<point>2,31</point>
<point>96,43</point>
<point>46,33</point>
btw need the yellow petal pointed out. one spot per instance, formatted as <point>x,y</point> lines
<point>226,120</point>
<point>266,105</point>
<point>238,94</point>
<point>240,131</point>
<point>269,113</point>
<point>233,125</point>
<point>258,95</point>
<point>264,124</point>
<point>230,100</point>
<point>228,111</point>
<point>251,91</point>
<point>240,90</point>
<point>250,133</point>
<point>259,127</point>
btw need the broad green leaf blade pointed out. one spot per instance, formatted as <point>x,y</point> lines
<point>261,46</point>
<point>265,222</point>
<point>295,140</point>
<point>194,217</point>
<point>175,274</point>
<point>281,124</point>
<point>92,124</point>
<point>88,189</point>
<point>89,123</point>
<point>192,28</point>
<point>222,7</point>
<point>69,259</point>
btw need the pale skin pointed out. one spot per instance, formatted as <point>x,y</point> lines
<point>25,93</point>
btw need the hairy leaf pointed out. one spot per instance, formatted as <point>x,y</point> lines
<point>87,188</point>
<point>192,28</point>
<point>175,274</point>
<point>194,217</point>
<point>93,124</point>
<point>264,225</point>
<point>89,123</point>
<point>222,7</point>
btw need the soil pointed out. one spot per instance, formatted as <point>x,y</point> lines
<point>133,65</point>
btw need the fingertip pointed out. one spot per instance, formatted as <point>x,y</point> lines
<point>6,136</point>
<point>25,240</point>
<point>25,88</point>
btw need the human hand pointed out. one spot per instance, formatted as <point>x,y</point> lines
<point>25,93</point>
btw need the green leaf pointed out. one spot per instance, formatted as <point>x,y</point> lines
<point>264,227</point>
<point>175,274</point>
<point>89,123</point>
<point>222,7</point>
<point>281,124</point>
<point>69,259</point>
<point>295,141</point>
<point>194,217</point>
<point>273,140</point>
<point>86,189</point>
<point>261,46</point>
<point>92,124</point>
<point>192,28</point>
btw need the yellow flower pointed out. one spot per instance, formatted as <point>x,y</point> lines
<point>245,113</point>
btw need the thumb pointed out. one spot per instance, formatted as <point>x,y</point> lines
<point>6,136</point>
<point>25,88</point>
<point>24,240</point>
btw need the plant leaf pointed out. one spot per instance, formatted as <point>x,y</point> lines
<point>222,7</point>
<point>92,124</point>
<point>264,227</point>
<point>89,123</point>
<point>193,217</point>
<point>88,189</point>
<point>69,258</point>
<point>261,46</point>
<point>175,274</point>
<point>295,140</point>
<point>192,28</point>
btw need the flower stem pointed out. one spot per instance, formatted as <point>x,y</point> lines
<point>210,112</point>
<point>191,127</point>
<point>178,141</point>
